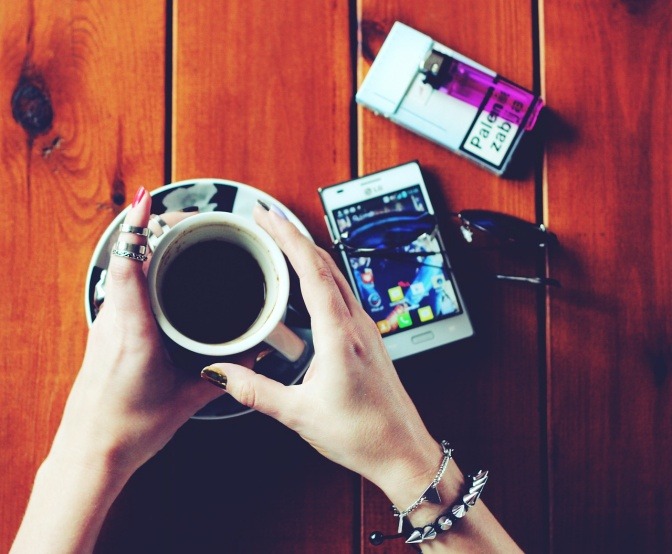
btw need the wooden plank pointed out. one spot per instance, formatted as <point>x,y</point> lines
<point>63,180</point>
<point>607,75</point>
<point>483,395</point>
<point>265,98</point>
<point>261,95</point>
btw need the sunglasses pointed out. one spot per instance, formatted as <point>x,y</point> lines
<point>413,235</point>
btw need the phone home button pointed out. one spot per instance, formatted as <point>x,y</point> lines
<point>422,337</point>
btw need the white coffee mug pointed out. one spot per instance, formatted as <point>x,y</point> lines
<point>246,234</point>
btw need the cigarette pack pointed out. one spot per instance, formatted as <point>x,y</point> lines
<point>448,98</point>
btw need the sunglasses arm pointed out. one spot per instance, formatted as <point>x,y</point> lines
<point>542,281</point>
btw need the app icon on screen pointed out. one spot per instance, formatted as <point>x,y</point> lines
<point>396,294</point>
<point>425,313</point>
<point>384,326</point>
<point>437,281</point>
<point>374,300</point>
<point>404,320</point>
<point>418,288</point>
<point>367,275</point>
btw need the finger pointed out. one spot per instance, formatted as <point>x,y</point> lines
<point>341,282</point>
<point>170,219</point>
<point>173,218</point>
<point>252,390</point>
<point>319,288</point>
<point>125,272</point>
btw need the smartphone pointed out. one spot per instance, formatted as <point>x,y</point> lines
<point>386,230</point>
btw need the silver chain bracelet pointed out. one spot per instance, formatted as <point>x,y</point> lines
<point>474,485</point>
<point>431,493</point>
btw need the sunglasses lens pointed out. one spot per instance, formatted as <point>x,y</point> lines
<point>390,230</point>
<point>507,228</point>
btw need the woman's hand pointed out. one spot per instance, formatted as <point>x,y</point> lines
<point>125,405</point>
<point>351,406</point>
<point>128,400</point>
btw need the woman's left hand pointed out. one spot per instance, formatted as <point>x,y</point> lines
<point>126,403</point>
<point>128,399</point>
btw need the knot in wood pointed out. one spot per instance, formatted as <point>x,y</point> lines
<point>31,106</point>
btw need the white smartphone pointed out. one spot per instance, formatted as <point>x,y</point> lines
<point>386,229</point>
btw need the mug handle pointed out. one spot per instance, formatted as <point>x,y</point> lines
<point>286,342</point>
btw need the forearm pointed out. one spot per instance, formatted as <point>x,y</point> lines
<point>67,506</point>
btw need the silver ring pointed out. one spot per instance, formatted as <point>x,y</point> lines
<point>129,255</point>
<point>140,231</point>
<point>134,252</point>
<point>130,247</point>
<point>154,235</point>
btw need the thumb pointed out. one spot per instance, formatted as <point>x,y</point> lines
<point>251,389</point>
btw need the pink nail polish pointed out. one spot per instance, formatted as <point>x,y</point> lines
<point>138,196</point>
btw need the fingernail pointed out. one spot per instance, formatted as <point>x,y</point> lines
<point>273,208</point>
<point>277,211</point>
<point>138,196</point>
<point>190,209</point>
<point>215,376</point>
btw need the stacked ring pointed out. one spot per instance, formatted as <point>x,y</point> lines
<point>132,251</point>
<point>140,231</point>
<point>136,252</point>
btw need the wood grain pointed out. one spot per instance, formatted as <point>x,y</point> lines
<point>607,75</point>
<point>484,395</point>
<point>64,177</point>
<point>565,398</point>
<point>261,95</point>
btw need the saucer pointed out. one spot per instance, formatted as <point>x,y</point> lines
<point>224,196</point>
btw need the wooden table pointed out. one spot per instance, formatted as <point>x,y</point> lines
<point>564,395</point>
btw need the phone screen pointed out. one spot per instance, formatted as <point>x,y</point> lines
<point>395,255</point>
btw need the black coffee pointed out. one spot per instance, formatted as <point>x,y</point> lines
<point>213,291</point>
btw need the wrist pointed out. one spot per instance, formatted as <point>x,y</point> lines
<point>415,468</point>
<point>99,473</point>
<point>435,492</point>
<point>454,521</point>
<point>92,446</point>
<point>70,499</point>
<point>449,489</point>
<point>102,463</point>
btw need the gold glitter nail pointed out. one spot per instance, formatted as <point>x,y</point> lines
<point>215,376</point>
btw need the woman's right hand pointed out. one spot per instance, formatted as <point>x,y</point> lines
<point>351,406</point>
